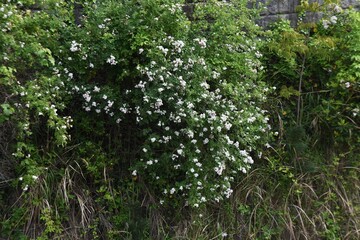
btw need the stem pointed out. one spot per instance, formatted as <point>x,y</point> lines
<point>298,115</point>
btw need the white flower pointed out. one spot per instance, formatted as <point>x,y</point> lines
<point>111,60</point>
<point>164,50</point>
<point>228,125</point>
<point>201,42</point>
<point>251,119</point>
<point>178,45</point>
<point>75,46</point>
<point>134,173</point>
<point>337,9</point>
<point>333,19</point>
<point>355,112</point>
<point>91,65</point>
<point>177,62</point>
<point>158,103</point>
<point>34,177</point>
<point>182,83</point>
<point>141,50</point>
<point>215,75</point>
<point>347,84</point>
<point>326,24</point>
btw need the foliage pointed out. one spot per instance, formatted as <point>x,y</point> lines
<point>177,84</point>
<point>151,120</point>
<point>315,108</point>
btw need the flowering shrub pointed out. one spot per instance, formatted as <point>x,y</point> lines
<point>31,91</point>
<point>190,87</point>
<point>154,105</point>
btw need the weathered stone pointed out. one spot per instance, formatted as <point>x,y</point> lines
<point>276,9</point>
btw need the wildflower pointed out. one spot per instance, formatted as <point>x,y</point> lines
<point>75,46</point>
<point>355,111</point>
<point>228,125</point>
<point>326,24</point>
<point>178,45</point>
<point>201,42</point>
<point>111,60</point>
<point>333,19</point>
<point>158,103</point>
<point>337,9</point>
<point>177,62</point>
<point>164,50</point>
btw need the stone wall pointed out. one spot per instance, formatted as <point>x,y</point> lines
<point>287,9</point>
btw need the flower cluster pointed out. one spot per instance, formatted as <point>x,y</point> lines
<point>75,46</point>
<point>205,131</point>
<point>332,20</point>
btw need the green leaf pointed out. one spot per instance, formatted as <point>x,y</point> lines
<point>287,92</point>
<point>7,109</point>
